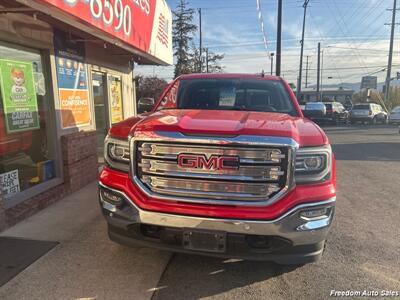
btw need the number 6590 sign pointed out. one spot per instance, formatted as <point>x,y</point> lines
<point>117,15</point>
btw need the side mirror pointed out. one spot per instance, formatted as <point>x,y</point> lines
<point>145,105</point>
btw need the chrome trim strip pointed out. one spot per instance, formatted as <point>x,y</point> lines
<point>171,151</point>
<point>286,225</point>
<point>241,140</point>
<point>244,173</point>
<point>219,189</point>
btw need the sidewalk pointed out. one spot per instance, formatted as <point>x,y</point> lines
<point>85,264</point>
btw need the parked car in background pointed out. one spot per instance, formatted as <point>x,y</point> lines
<point>315,111</point>
<point>371,113</point>
<point>333,112</point>
<point>336,113</point>
<point>145,105</point>
<point>394,116</point>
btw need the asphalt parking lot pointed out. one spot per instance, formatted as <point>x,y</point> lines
<point>362,250</point>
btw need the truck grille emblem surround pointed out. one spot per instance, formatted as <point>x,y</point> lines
<point>242,170</point>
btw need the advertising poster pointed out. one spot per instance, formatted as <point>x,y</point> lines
<point>72,83</point>
<point>9,183</point>
<point>116,100</point>
<point>19,96</point>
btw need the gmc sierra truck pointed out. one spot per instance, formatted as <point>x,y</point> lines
<point>224,165</point>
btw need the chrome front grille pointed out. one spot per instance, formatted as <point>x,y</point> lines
<point>262,172</point>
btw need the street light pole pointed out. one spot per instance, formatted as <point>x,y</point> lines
<point>389,68</point>
<point>302,49</point>
<point>279,40</point>
<point>306,84</point>
<point>322,73</point>
<point>272,63</point>
<point>200,42</point>
<point>318,72</point>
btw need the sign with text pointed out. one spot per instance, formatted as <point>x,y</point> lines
<point>72,82</point>
<point>9,183</point>
<point>19,96</point>
<point>116,100</point>
<point>143,24</point>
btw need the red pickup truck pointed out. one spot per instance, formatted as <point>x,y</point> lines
<point>224,165</point>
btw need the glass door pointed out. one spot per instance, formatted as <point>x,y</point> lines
<point>100,95</point>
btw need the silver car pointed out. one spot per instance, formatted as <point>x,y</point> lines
<point>368,113</point>
<point>394,116</point>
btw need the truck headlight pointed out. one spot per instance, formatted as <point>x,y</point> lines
<point>117,153</point>
<point>313,164</point>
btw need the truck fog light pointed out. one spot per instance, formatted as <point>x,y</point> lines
<point>314,213</point>
<point>313,162</point>
<point>111,198</point>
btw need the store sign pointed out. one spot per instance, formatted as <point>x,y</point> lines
<point>19,96</point>
<point>9,183</point>
<point>116,100</point>
<point>143,24</point>
<point>72,83</point>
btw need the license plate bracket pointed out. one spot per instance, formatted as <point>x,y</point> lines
<point>207,241</point>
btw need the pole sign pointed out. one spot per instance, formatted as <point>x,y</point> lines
<point>144,24</point>
<point>19,96</point>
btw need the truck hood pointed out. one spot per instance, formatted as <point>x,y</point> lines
<point>227,123</point>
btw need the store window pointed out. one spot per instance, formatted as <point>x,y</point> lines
<point>27,154</point>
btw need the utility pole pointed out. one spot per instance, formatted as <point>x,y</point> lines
<point>307,65</point>
<point>302,49</point>
<point>200,42</point>
<point>272,63</point>
<point>279,40</point>
<point>389,68</point>
<point>322,73</point>
<point>318,70</point>
<point>207,60</point>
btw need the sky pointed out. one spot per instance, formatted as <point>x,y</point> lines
<point>353,35</point>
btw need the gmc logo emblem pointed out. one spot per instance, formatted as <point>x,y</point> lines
<point>215,162</point>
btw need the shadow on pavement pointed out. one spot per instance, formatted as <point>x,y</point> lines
<point>194,277</point>
<point>378,151</point>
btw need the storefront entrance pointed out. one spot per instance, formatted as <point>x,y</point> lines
<point>100,109</point>
<point>107,94</point>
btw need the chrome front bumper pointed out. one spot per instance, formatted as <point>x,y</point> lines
<point>292,226</point>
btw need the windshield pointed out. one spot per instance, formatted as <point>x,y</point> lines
<point>362,106</point>
<point>396,109</point>
<point>235,94</point>
<point>317,105</point>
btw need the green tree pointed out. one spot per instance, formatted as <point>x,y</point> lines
<point>183,30</point>
<point>213,60</point>
<point>199,64</point>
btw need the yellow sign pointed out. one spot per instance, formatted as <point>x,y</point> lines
<point>116,100</point>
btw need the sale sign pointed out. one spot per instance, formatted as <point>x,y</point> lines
<point>19,96</point>
<point>144,24</point>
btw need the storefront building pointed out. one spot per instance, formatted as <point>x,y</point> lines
<point>66,75</point>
